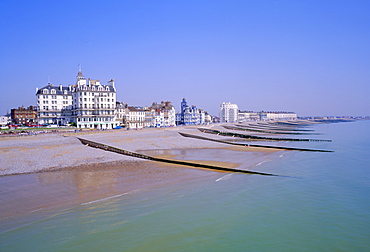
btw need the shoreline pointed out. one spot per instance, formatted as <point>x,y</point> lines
<point>47,172</point>
<point>42,153</point>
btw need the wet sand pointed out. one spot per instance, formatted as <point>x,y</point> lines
<point>67,187</point>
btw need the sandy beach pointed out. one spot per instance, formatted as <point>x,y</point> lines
<point>47,171</point>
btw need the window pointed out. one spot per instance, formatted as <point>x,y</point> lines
<point>53,91</point>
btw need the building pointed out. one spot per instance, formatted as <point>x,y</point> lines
<point>247,116</point>
<point>277,116</point>
<point>229,112</point>
<point>54,104</point>
<point>191,115</point>
<point>135,117</point>
<point>162,114</point>
<point>24,115</point>
<point>88,104</point>
<point>121,111</point>
<point>94,104</point>
<point>5,120</point>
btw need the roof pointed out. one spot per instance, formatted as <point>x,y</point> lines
<point>56,88</point>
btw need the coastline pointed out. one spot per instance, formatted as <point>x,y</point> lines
<point>55,171</point>
<point>40,153</point>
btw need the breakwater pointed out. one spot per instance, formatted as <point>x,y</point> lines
<point>164,160</point>
<point>272,127</point>
<point>251,137</point>
<point>252,145</point>
<point>277,131</point>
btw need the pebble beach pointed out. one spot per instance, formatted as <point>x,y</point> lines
<point>54,151</point>
<point>53,170</point>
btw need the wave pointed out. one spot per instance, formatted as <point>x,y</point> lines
<point>262,162</point>
<point>227,176</point>
<point>110,197</point>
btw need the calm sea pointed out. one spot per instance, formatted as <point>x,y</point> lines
<point>322,203</point>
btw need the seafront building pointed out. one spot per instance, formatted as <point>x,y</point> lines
<point>277,116</point>
<point>248,116</point>
<point>54,104</point>
<point>88,104</point>
<point>229,112</point>
<point>135,117</point>
<point>94,104</point>
<point>163,114</point>
<point>5,120</point>
<point>191,115</point>
<point>24,115</point>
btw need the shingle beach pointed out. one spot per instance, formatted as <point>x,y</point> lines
<point>53,151</point>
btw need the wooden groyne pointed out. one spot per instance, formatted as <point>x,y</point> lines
<point>164,160</point>
<point>272,127</point>
<point>252,145</point>
<point>268,131</point>
<point>251,137</point>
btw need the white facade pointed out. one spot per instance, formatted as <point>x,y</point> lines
<point>135,117</point>
<point>278,116</point>
<point>229,112</point>
<point>163,114</point>
<point>94,104</point>
<point>54,104</point>
<point>247,116</point>
<point>5,120</point>
<point>158,115</point>
<point>88,104</point>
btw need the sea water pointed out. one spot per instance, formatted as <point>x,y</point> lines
<point>320,203</point>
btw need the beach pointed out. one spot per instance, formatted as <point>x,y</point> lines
<point>91,199</point>
<point>46,171</point>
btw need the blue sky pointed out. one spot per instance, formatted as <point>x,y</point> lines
<point>311,57</point>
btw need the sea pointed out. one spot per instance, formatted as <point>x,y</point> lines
<point>319,201</point>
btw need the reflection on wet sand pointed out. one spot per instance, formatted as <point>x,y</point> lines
<point>22,194</point>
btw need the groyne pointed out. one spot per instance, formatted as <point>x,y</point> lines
<point>252,145</point>
<point>277,132</point>
<point>251,137</point>
<point>271,127</point>
<point>164,160</point>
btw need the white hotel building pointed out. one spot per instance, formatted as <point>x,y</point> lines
<point>54,104</point>
<point>88,104</point>
<point>229,112</point>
